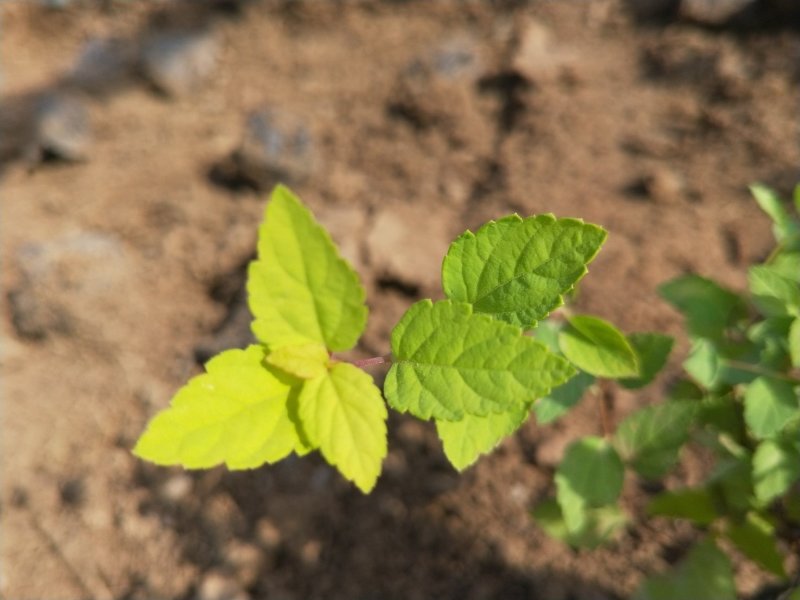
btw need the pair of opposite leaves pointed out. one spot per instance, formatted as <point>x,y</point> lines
<point>463,361</point>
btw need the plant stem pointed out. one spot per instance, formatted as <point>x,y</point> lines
<point>758,370</point>
<point>375,360</point>
<point>603,407</point>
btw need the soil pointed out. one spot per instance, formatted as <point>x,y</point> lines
<point>401,124</point>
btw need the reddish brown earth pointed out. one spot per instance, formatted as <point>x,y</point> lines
<point>425,119</point>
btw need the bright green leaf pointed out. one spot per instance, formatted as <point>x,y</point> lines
<point>776,466</point>
<point>755,537</point>
<point>786,264</point>
<point>794,342</point>
<point>705,573</point>
<point>708,308</point>
<point>773,293</point>
<point>561,399</point>
<point>653,350</point>
<point>769,404</point>
<point>599,348</point>
<point>590,475</point>
<point>650,439</point>
<point>300,290</point>
<point>465,440</point>
<point>343,414</point>
<point>305,362</point>
<point>695,504</point>
<point>703,363</point>
<point>518,269</point>
<point>236,413</point>
<point>449,362</point>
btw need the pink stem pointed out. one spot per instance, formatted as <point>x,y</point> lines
<point>375,360</point>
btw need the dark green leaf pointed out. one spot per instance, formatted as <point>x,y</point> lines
<point>708,307</point>
<point>590,475</point>
<point>650,439</point>
<point>653,350</point>
<point>695,504</point>
<point>561,399</point>
<point>706,573</point>
<point>755,537</point>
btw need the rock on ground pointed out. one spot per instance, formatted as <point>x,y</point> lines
<point>178,62</point>
<point>63,127</point>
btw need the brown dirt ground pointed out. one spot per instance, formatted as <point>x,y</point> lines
<point>133,261</point>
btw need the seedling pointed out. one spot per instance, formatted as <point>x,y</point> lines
<point>463,362</point>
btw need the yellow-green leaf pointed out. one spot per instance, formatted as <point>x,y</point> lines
<point>304,362</point>
<point>343,414</point>
<point>300,290</point>
<point>236,413</point>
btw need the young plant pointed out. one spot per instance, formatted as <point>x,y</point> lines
<point>464,362</point>
<point>739,398</point>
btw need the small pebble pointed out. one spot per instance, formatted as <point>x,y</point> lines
<point>268,534</point>
<point>178,62</point>
<point>246,559</point>
<point>177,487</point>
<point>276,147</point>
<point>63,128</point>
<point>103,65</point>
<point>216,586</point>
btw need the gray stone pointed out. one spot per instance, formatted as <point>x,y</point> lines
<point>104,65</point>
<point>63,127</point>
<point>63,282</point>
<point>177,62</point>
<point>713,12</point>
<point>276,147</point>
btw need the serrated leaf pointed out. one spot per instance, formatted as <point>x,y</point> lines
<point>794,342</point>
<point>695,504</point>
<point>599,348</point>
<point>558,402</point>
<point>776,466</point>
<point>343,414</point>
<point>708,307</point>
<point>236,413</point>
<point>705,573</point>
<point>304,362</point>
<point>755,537</point>
<point>465,440</point>
<point>449,362</point>
<point>517,270</point>
<point>650,439</point>
<point>773,293</point>
<point>590,475</point>
<point>300,290</point>
<point>653,351</point>
<point>769,404</point>
<point>599,525</point>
